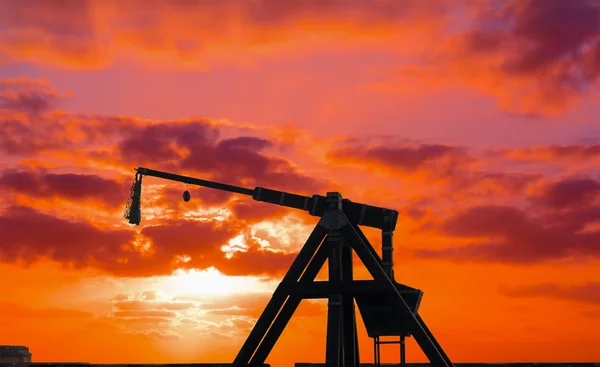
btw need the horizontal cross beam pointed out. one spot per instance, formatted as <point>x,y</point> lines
<point>322,289</point>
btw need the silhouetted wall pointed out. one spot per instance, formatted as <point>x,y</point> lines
<point>532,364</point>
<point>14,354</point>
<point>82,364</point>
<point>19,356</point>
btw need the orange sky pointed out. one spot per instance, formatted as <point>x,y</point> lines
<point>476,120</point>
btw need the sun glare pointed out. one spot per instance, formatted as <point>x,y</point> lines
<point>234,245</point>
<point>288,232</point>
<point>219,214</point>
<point>208,282</point>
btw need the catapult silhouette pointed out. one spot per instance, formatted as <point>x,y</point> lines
<point>387,307</point>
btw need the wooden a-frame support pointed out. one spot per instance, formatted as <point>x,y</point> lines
<point>333,239</point>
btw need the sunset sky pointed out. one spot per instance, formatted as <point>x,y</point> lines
<point>476,120</point>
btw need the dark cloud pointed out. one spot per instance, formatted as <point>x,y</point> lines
<point>190,238</point>
<point>71,18</point>
<point>550,48</point>
<point>570,192</point>
<point>585,293</point>
<point>157,143</point>
<point>414,212</point>
<point>194,147</point>
<point>555,222</point>
<point>83,245</point>
<point>202,242</point>
<point>41,183</point>
<point>239,155</point>
<point>493,184</point>
<point>510,181</point>
<point>32,102</point>
<point>551,153</point>
<point>19,138</point>
<point>189,147</point>
<point>75,32</point>
<point>253,211</point>
<point>461,170</point>
<point>511,235</point>
<point>258,262</point>
<point>550,33</point>
<point>31,133</point>
<point>238,159</point>
<point>27,95</point>
<point>28,234</point>
<point>183,147</point>
<point>173,197</point>
<point>439,159</point>
<point>572,151</point>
